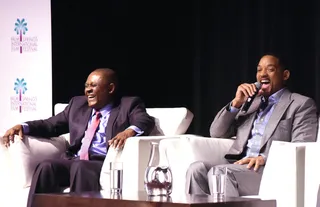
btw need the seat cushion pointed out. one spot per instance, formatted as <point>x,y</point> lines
<point>170,121</point>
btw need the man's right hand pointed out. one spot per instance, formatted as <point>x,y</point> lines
<point>9,135</point>
<point>244,91</point>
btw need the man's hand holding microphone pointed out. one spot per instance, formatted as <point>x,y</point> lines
<point>245,94</point>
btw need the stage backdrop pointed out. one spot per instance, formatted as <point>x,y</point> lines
<point>25,61</point>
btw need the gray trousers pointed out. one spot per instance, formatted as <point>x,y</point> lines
<point>240,181</point>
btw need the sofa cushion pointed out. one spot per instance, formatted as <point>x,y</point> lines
<point>169,121</point>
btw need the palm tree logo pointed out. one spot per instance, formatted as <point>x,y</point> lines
<point>21,28</point>
<point>20,86</point>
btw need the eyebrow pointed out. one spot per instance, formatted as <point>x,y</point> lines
<point>268,65</point>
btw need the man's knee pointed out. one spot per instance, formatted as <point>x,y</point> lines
<point>45,165</point>
<point>78,166</point>
<point>197,168</point>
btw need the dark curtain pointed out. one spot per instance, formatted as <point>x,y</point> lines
<point>183,53</point>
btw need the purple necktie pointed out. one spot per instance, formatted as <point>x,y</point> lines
<point>86,141</point>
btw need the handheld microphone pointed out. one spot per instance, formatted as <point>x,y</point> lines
<point>249,101</point>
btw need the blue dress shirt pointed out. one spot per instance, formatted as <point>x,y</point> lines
<point>99,140</point>
<point>259,125</point>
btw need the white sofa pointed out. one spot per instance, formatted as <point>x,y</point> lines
<point>312,177</point>
<point>284,174</point>
<point>18,162</point>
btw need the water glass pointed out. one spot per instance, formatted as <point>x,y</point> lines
<point>116,177</point>
<point>219,183</point>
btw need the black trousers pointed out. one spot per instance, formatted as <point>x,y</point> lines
<point>51,176</point>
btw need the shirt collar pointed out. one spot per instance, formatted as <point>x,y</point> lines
<point>274,98</point>
<point>104,111</point>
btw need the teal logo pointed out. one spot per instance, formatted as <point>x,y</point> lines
<point>21,100</point>
<point>22,42</point>
<point>20,87</point>
<point>20,27</point>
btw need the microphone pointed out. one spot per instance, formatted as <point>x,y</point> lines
<point>249,101</point>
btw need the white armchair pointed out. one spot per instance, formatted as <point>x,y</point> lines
<point>18,162</point>
<point>282,180</point>
<point>312,177</point>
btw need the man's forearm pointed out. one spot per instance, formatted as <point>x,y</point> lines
<point>222,125</point>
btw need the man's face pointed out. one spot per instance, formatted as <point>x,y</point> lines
<point>271,75</point>
<point>97,91</point>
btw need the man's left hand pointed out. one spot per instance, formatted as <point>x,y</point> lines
<point>252,161</point>
<point>119,140</point>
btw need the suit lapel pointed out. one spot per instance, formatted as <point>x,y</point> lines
<point>254,106</point>
<point>86,113</point>
<point>276,115</point>
<point>252,112</point>
<point>83,120</point>
<point>113,115</point>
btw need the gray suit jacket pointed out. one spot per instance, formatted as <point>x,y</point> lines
<point>294,119</point>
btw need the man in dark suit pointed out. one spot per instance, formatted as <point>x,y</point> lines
<point>95,121</point>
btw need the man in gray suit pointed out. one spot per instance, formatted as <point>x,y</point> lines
<point>275,114</point>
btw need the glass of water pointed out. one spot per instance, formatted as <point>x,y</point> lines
<point>219,183</point>
<point>116,177</point>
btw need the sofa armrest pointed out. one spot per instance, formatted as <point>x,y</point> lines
<point>284,174</point>
<point>135,157</point>
<point>23,156</point>
<point>312,177</point>
<point>188,149</point>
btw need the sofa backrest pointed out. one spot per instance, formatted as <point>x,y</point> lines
<point>169,121</point>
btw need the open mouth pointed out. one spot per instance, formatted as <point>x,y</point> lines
<point>265,83</point>
<point>90,97</point>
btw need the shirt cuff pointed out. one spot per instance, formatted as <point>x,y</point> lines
<point>233,109</point>
<point>264,157</point>
<point>25,128</point>
<point>136,129</point>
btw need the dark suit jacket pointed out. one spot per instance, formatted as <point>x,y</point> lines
<point>74,119</point>
<point>294,119</point>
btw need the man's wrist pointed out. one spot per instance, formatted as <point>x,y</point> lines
<point>136,129</point>
<point>130,132</point>
<point>236,104</point>
<point>232,109</point>
<point>264,157</point>
<point>25,128</point>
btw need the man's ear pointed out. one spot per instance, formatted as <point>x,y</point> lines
<point>286,75</point>
<point>111,88</point>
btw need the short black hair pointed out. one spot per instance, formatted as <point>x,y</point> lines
<point>109,75</point>
<point>282,59</point>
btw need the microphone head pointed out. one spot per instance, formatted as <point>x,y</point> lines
<point>258,85</point>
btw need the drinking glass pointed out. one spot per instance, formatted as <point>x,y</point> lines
<point>116,177</point>
<point>219,183</point>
